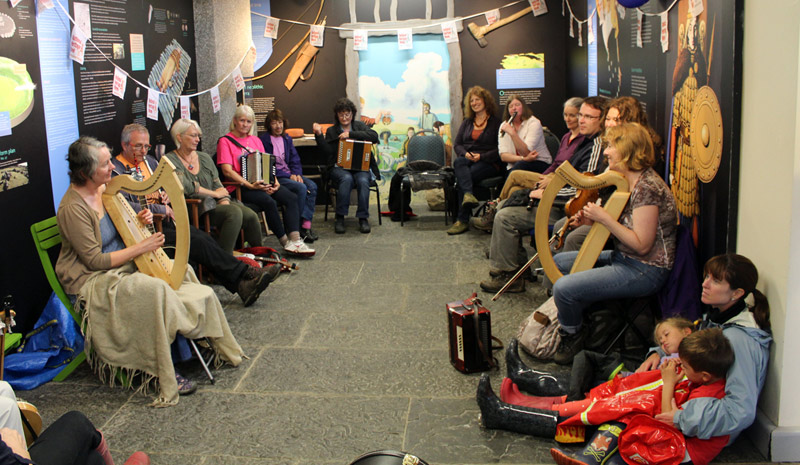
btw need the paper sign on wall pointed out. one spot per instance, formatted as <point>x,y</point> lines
<point>539,7</point>
<point>185,113</point>
<point>492,16</point>
<point>639,17</point>
<point>316,37</point>
<point>405,40</point>
<point>152,104</point>
<point>450,32</point>
<point>664,32</point>
<point>360,39</point>
<point>216,104</point>
<point>77,45</point>
<point>271,28</point>
<point>120,82</point>
<point>238,80</point>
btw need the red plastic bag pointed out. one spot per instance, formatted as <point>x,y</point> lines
<point>647,441</point>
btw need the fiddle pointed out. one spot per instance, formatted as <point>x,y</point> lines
<point>581,198</point>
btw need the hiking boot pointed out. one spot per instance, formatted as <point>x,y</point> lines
<point>497,283</point>
<point>570,345</point>
<point>469,200</point>
<point>363,226</point>
<point>458,228</point>
<point>338,228</point>
<point>253,284</point>
<point>481,224</point>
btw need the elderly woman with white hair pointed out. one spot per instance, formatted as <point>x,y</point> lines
<point>130,318</point>
<point>199,177</point>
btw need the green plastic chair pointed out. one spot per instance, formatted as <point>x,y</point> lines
<point>46,235</point>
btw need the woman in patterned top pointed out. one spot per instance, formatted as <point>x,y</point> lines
<point>644,240</point>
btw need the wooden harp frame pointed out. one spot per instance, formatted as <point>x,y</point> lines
<point>598,235</point>
<point>156,264</point>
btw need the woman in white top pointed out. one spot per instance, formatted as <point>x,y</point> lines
<point>521,141</point>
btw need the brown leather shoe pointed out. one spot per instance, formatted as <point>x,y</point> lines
<point>250,289</point>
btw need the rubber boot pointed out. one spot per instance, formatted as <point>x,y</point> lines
<point>538,383</point>
<point>510,394</point>
<point>600,450</point>
<point>496,414</point>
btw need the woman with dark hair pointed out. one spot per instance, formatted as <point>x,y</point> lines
<point>241,140</point>
<point>521,142</point>
<point>734,304</point>
<point>131,318</point>
<point>289,170</point>
<point>346,126</point>
<point>477,155</point>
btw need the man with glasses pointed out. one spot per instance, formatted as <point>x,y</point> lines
<point>506,253</point>
<point>233,274</point>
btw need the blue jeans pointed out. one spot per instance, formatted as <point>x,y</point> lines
<point>613,277</point>
<point>306,193</point>
<point>344,181</point>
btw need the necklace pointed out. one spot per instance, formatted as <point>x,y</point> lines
<point>482,123</point>
<point>185,162</point>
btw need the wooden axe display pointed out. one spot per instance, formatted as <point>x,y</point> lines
<point>479,31</point>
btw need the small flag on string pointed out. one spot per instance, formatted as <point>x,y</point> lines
<point>590,32</point>
<point>450,32</point>
<point>664,31</point>
<point>563,5</point>
<point>77,45</point>
<point>185,105</point>
<point>43,5</point>
<point>317,35</point>
<point>120,83</point>
<point>152,104</point>
<point>405,39</point>
<point>492,16</point>
<point>539,7</point>
<point>621,11</point>
<point>271,28</point>
<point>360,39</point>
<point>580,34</point>
<point>238,80</point>
<point>216,104</point>
<point>571,26</point>
<point>639,17</point>
<point>696,7</point>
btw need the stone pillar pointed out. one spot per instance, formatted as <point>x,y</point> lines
<point>222,36</point>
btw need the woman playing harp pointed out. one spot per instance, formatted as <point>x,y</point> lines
<point>644,240</point>
<point>130,318</point>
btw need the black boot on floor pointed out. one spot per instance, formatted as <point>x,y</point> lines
<point>363,226</point>
<point>600,450</point>
<point>496,414</point>
<point>538,383</point>
<point>338,228</point>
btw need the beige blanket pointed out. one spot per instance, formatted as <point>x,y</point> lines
<point>130,320</point>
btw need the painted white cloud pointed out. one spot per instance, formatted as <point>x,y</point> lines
<point>423,78</point>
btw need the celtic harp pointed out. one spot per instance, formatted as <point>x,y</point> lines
<point>598,234</point>
<point>132,231</point>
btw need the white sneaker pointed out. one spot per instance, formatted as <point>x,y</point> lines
<point>299,248</point>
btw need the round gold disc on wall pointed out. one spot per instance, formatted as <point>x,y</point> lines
<point>706,134</point>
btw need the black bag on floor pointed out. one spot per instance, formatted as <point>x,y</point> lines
<point>388,457</point>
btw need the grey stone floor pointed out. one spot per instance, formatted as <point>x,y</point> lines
<point>349,354</point>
